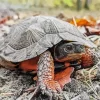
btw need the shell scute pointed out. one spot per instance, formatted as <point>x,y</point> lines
<point>34,35</point>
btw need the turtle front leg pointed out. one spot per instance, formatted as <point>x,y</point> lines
<point>46,83</point>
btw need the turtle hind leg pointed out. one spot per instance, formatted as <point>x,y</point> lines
<point>63,77</point>
<point>45,77</point>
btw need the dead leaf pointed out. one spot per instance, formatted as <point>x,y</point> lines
<point>81,22</point>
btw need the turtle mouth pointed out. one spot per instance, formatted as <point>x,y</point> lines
<point>70,57</point>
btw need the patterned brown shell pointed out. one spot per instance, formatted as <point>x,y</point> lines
<point>34,35</point>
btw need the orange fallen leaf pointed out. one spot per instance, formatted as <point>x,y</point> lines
<point>81,22</point>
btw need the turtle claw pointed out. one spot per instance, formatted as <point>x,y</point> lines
<point>51,89</point>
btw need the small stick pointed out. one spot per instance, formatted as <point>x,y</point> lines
<point>74,21</point>
<point>7,94</point>
<point>30,89</point>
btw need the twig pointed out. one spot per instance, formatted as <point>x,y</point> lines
<point>7,94</point>
<point>74,21</point>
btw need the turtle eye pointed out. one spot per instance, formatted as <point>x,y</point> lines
<point>68,48</point>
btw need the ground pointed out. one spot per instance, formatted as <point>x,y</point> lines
<point>12,83</point>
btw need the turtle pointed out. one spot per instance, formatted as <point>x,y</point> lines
<point>44,44</point>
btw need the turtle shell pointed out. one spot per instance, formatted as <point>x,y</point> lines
<point>34,35</point>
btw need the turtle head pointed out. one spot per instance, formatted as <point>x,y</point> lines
<point>68,51</point>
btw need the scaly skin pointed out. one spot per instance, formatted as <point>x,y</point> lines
<point>87,60</point>
<point>63,77</point>
<point>47,82</point>
<point>45,74</point>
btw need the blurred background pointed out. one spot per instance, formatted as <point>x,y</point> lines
<point>53,7</point>
<point>70,4</point>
